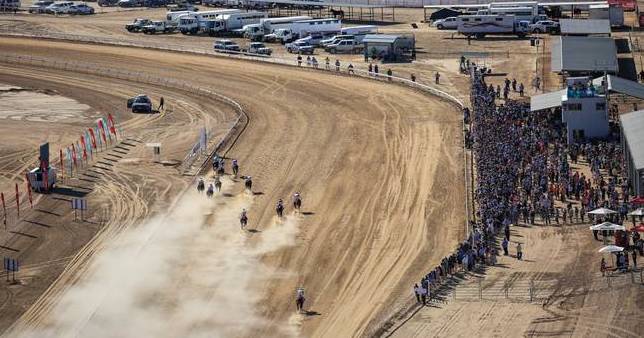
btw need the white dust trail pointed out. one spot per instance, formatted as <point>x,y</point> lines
<point>191,273</point>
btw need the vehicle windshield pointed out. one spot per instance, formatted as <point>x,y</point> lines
<point>141,99</point>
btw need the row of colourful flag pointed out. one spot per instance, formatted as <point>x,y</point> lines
<point>89,142</point>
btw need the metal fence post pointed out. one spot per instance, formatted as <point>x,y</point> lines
<point>531,290</point>
<point>480,288</point>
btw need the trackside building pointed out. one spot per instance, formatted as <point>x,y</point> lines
<point>632,127</point>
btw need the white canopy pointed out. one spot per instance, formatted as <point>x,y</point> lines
<point>607,226</point>
<point>637,212</point>
<point>601,211</point>
<point>611,249</point>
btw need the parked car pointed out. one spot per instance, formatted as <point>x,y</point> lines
<point>137,25</point>
<point>344,46</point>
<point>226,46</point>
<point>39,6</point>
<point>336,39</point>
<point>182,7</point>
<point>130,3</point>
<point>140,104</point>
<point>259,48</point>
<point>447,23</point>
<point>544,26</point>
<point>314,39</point>
<point>107,3</point>
<point>59,7</point>
<point>81,9</point>
<point>155,3</point>
<point>158,27</point>
<point>300,47</point>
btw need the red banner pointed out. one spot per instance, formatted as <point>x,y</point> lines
<point>102,128</point>
<point>74,154</point>
<point>110,124</point>
<point>91,134</point>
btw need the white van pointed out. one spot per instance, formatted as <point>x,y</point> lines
<point>59,7</point>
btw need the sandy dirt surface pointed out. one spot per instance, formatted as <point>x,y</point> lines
<point>380,170</point>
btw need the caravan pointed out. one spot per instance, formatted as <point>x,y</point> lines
<point>267,26</point>
<point>197,22</point>
<point>481,25</point>
<point>235,21</point>
<point>303,28</point>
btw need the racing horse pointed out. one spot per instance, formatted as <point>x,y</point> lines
<point>201,186</point>
<point>243,219</point>
<point>279,209</point>
<point>220,169</point>
<point>210,191</point>
<point>299,299</point>
<point>248,183</point>
<point>235,168</point>
<point>297,201</point>
<point>217,184</point>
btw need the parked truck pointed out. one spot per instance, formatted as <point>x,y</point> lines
<point>236,21</point>
<point>137,25</point>
<point>300,29</point>
<point>258,31</point>
<point>158,27</point>
<point>481,25</point>
<point>194,23</point>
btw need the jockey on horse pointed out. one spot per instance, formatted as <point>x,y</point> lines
<point>297,201</point>
<point>217,184</point>
<point>243,219</point>
<point>235,168</point>
<point>248,183</point>
<point>201,185</point>
<point>299,299</point>
<point>222,164</point>
<point>210,191</point>
<point>280,208</point>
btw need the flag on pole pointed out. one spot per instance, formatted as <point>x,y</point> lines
<point>97,132</point>
<point>88,143</point>
<point>17,200</point>
<point>91,133</point>
<point>4,207</point>
<point>62,164</point>
<point>110,122</point>
<point>84,147</point>
<point>31,202</point>
<point>100,126</point>
<point>74,154</point>
<point>107,131</point>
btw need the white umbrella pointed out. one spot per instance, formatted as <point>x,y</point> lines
<point>601,211</point>
<point>611,249</point>
<point>637,212</point>
<point>607,226</point>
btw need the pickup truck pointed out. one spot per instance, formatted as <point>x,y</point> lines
<point>447,23</point>
<point>226,46</point>
<point>544,26</point>
<point>344,46</point>
<point>137,25</point>
<point>158,27</point>
<point>39,6</point>
<point>300,47</point>
<point>130,3</point>
<point>259,48</point>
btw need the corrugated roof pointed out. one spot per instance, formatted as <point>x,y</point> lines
<point>584,54</point>
<point>547,100</point>
<point>633,127</point>
<point>622,86</point>
<point>380,38</point>
<point>589,26</point>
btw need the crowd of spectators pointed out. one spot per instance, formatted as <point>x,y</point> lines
<point>524,174</point>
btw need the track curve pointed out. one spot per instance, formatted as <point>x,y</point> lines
<point>379,167</point>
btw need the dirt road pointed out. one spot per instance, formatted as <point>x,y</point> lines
<point>378,166</point>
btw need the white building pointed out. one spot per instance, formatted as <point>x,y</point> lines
<point>584,111</point>
<point>632,127</point>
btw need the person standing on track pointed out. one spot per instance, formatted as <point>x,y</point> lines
<point>327,63</point>
<point>161,101</point>
<point>519,252</point>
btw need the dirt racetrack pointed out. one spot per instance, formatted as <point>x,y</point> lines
<point>378,165</point>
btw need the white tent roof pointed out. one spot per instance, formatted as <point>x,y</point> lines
<point>607,226</point>
<point>611,248</point>
<point>548,100</point>
<point>601,211</point>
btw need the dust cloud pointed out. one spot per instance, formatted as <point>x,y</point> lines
<point>187,274</point>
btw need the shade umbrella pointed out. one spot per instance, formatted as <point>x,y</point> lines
<point>602,211</point>
<point>611,249</point>
<point>637,212</point>
<point>607,226</point>
<point>638,200</point>
<point>639,228</point>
